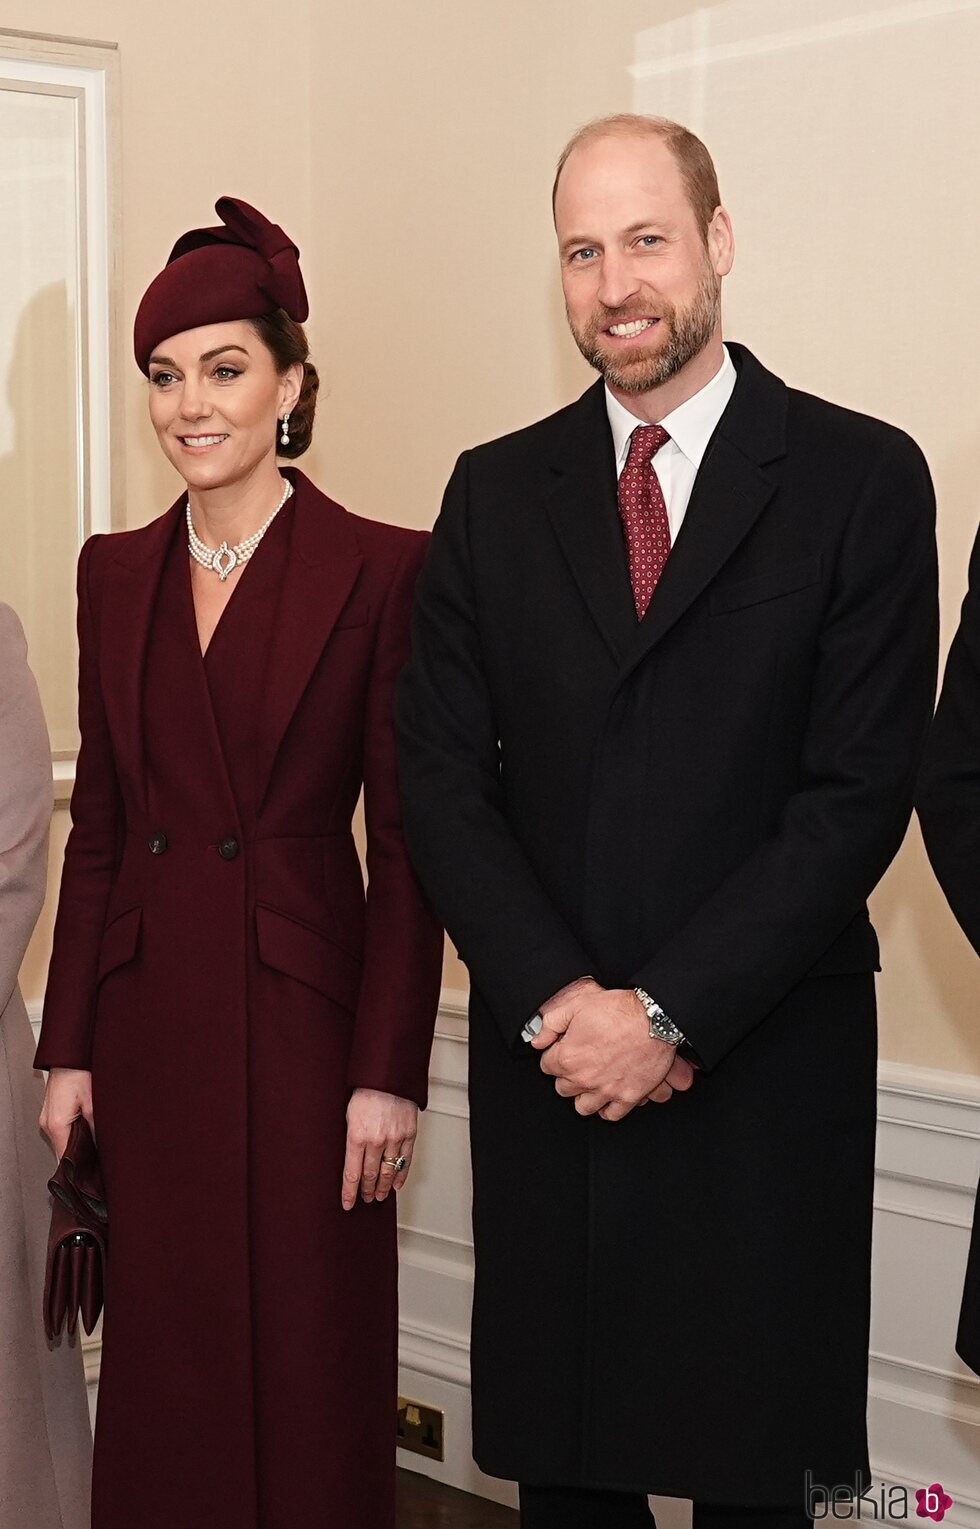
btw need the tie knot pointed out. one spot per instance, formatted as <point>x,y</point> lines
<point>645,442</point>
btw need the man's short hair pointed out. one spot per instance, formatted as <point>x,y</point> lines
<point>695,163</point>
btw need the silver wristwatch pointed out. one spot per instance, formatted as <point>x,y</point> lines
<point>661,1028</point>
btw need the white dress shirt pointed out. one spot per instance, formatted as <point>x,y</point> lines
<point>690,428</point>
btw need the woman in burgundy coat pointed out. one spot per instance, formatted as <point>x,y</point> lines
<point>249,1032</point>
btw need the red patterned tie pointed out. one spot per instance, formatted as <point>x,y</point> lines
<point>643,511</point>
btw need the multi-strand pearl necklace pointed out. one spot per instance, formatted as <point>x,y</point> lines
<point>223,559</point>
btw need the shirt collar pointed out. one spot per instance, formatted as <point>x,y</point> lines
<point>690,426</point>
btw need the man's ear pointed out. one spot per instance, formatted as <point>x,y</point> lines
<point>721,242</point>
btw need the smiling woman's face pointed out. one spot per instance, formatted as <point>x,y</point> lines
<point>215,402</point>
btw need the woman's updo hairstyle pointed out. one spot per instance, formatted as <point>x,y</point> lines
<point>288,344</point>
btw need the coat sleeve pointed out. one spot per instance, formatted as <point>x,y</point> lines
<point>949,785</point>
<point>871,701</point>
<point>403,941</point>
<point>91,858</point>
<point>25,802</point>
<point>518,949</point>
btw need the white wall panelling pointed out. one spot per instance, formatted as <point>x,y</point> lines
<point>924,1404</point>
<point>59,269</point>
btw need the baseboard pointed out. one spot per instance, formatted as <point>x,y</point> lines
<point>924,1405</point>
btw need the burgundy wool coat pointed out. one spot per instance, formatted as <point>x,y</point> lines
<point>219,968</point>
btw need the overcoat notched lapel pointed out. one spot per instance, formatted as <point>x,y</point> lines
<point>324,563</point>
<point>585,517</point>
<point>129,595</point>
<point>132,587</point>
<point>730,493</point>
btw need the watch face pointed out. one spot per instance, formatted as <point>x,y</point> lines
<point>660,1025</point>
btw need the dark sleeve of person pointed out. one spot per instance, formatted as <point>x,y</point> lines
<point>948,799</point>
<point>91,857</point>
<point>399,996</point>
<point>518,949</point>
<point>871,701</point>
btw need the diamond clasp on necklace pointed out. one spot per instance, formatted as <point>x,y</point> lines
<point>224,568</point>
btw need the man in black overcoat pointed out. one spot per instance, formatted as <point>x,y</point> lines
<point>674,662</point>
<point>949,811</point>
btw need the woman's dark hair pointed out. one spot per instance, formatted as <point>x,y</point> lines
<point>288,343</point>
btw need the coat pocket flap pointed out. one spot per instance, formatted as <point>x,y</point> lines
<point>308,955</point>
<point>766,586</point>
<point>120,941</point>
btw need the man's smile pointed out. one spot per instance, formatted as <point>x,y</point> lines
<point>630,329</point>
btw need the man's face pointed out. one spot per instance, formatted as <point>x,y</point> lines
<point>642,291</point>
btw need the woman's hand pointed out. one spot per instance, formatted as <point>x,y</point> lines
<point>68,1095</point>
<point>378,1126</point>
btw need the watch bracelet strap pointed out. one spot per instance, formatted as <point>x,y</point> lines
<point>662,1027</point>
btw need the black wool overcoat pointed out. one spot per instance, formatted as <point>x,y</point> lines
<point>698,803</point>
<point>949,811</point>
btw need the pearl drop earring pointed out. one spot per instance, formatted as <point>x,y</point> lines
<point>284,438</point>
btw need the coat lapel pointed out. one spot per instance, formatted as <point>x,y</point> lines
<point>584,514</point>
<point>323,565</point>
<point>730,493</point>
<point>130,587</point>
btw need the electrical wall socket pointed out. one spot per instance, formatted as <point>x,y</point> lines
<point>421,1429</point>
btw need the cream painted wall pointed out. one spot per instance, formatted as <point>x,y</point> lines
<point>39,301</point>
<point>213,101</point>
<point>839,177</point>
<point>435,269</point>
<point>409,149</point>
<point>210,103</point>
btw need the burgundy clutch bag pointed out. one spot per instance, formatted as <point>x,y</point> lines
<point>73,1283</point>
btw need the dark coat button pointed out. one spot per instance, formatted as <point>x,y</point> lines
<point>158,843</point>
<point>228,848</point>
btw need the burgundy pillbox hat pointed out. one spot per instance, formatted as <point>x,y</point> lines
<point>244,269</point>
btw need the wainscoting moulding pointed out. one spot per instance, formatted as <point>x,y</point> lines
<point>924,1406</point>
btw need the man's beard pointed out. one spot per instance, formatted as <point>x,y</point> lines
<point>686,332</point>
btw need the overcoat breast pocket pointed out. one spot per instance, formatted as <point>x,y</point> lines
<point>308,955</point>
<point>787,579</point>
<point>120,942</point>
